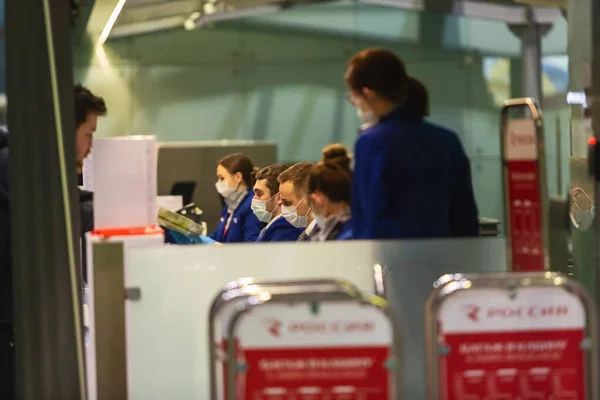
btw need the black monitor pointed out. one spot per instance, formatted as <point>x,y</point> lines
<point>185,189</point>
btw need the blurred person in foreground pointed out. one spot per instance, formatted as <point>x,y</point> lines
<point>88,107</point>
<point>412,178</point>
<point>329,190</point>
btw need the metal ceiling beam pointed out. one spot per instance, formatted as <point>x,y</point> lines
<point>162,16</point>
<point>511,14</point>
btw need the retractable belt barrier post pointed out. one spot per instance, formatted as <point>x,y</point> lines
<point>313,338</point>
<point>525,189</point>
<point>511,336</point>
<point>227,302</point>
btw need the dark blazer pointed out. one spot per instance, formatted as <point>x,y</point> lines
<point>280,231</point>
<point>244,226</point>
<point>412,179</point>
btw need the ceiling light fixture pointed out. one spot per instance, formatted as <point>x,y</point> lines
<point>111,22</point>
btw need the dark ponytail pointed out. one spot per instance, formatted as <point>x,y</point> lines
<point>417,98</point>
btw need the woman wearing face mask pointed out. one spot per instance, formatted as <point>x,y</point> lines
<point>329,189</point>
<point>412,179</point>
<point>267,207</point>
<point>235,181</point>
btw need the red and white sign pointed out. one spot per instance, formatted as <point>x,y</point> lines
<point>291,353</point>
<point>525,348</point>
<point>523,194</point>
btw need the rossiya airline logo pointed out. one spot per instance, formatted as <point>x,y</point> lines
<point>519,139</point>
<point>273,327</point>
<point>473,312</point>
<point>276,328</point>
<point>534,311</point>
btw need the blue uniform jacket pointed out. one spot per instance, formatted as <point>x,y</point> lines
<point>412,179</point>
<point>345,233</point>
<point>244,226</point>
<point>280,231</point>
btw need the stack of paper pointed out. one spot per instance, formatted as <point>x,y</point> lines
<point>179,223</point>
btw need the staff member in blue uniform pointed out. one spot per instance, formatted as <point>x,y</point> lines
<point>294,198</point>
<point>267,207</point>
<point>236,176</point>
<point>412,179</point>
<point>329,190</point>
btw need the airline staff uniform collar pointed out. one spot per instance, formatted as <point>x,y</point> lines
<point>309,229</point>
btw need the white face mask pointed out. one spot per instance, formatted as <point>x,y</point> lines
<point>229,194</point>
<point>367,117</point>
<point>224,189</point>
<point>259,208</point>
<point>290,213</point>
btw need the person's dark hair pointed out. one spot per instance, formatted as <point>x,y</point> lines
<point>238,162</point>
<point>337,154</point>
<point>271,175</point>
<point>87,103</point>
<point>331,179</point>
<point>297,174</point>
<point>383,72</point>
<point>417,98</point>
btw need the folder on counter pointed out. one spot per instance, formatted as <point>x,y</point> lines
<point>181,230</point>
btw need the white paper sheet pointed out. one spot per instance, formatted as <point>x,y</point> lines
<point>124,174</point>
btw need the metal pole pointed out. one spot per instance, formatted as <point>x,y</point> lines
<point>531,52</point>
<point>44,202</point>
<point>595,33</point>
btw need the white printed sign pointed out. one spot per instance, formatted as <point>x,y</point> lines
<point>492,310</point>
<point>88,173</point>
<point>336,324</point>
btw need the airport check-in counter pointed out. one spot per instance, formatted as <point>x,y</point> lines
<point>170,289</point>
<point>196,163</point>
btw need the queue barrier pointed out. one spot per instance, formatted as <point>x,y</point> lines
<point>309,338</point>
<point>525,189</point>
<point>232,295</point>
<point>511,336</point>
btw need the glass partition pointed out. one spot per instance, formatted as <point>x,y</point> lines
<point>167,325</point>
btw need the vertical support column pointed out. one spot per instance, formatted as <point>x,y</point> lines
<point>44,201</point>
<point>531,52</point>
<point>595,96</point>
<point>530,33</point>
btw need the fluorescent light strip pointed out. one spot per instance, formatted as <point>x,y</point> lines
<point>111,22</point>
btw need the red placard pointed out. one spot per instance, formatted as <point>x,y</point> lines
<point>523,197</point>
<point>528,348</point>
<point>291,353</point>
<point>316,373</point>
<point>540,365</point>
